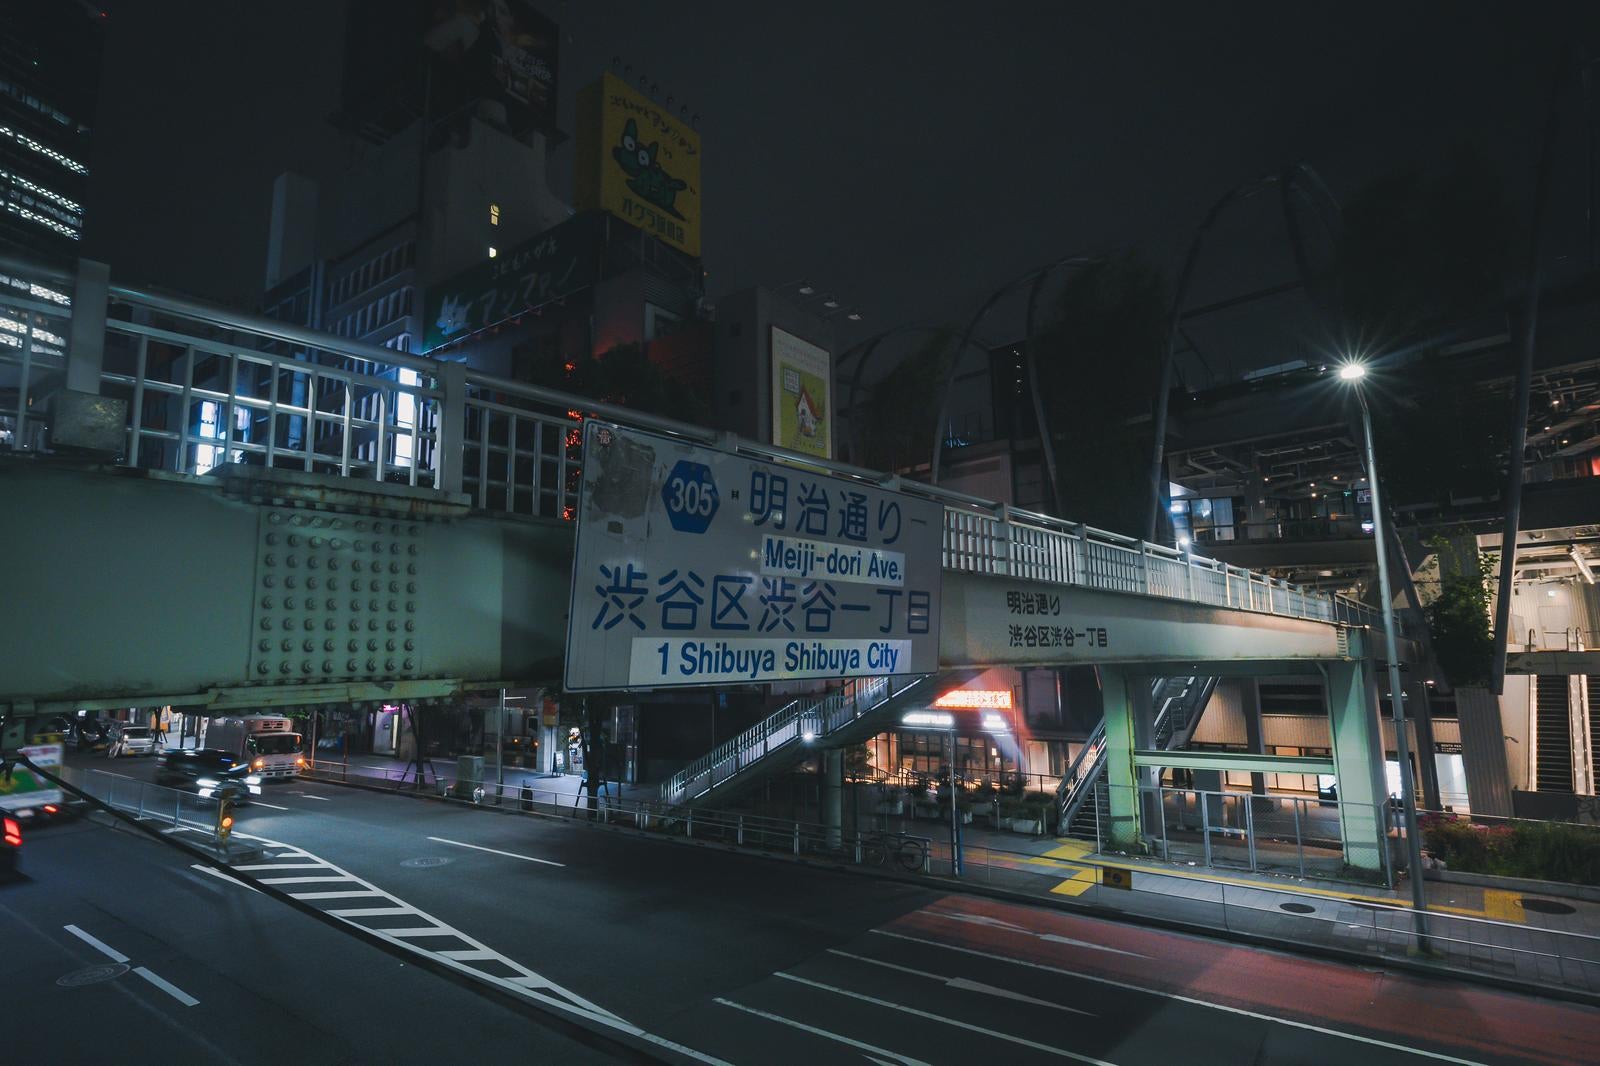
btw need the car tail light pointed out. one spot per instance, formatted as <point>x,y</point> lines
<point>13,833</point>
<point>51,808</point>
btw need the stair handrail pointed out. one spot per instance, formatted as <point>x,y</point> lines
<point>1078,769</point>
<point>828,713</point>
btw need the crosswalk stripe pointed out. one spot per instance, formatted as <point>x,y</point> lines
<point>372,912</point>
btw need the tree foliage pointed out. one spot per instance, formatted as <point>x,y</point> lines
<point>1458,617</point>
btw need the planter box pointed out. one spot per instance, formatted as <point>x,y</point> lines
<point>1523,885</point>
<point>897,807</point>
<point>1029,826</point>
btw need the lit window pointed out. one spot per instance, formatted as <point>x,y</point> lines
<point>494,214</point>
<point>492,251</point>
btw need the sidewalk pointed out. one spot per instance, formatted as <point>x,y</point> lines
<point>392,769</point>
<point>1528,940</point>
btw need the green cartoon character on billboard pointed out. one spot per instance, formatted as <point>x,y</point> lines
<point>645,175</point>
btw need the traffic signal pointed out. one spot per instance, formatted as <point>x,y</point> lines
<point>224,818</point>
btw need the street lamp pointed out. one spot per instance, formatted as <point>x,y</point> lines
<point>1354,374</point>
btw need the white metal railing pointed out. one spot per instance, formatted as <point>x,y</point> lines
<point>206,386</point>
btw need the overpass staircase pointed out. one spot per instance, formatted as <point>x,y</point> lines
<point>1082,804</point>
<point>860,709</point>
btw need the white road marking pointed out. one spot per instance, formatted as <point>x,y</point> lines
<point>496,851</point>
<point>301,880</point>
<point>103,948</point>
<point>527,984</point>
<point>996,923</point>
<point>214,872</point>
<point>283,866</point>
<point>1009,1038</point>
<point>964,984</point>
<point>893,1056</point>
<point>1439,1055</point>
<point>167,986</point>
<point>309,796</point>
<point>372,912</point>
<point>264,803</point>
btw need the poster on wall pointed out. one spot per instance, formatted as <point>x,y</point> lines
<point>802,395</point>
<point>637,161</point>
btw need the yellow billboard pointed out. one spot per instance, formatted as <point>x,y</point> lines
<point>802,395</point>
<point>637,161</point>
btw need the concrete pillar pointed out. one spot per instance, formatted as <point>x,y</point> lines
<point>833,795</point>
<point>1484,744</point>
<point>87,340</point>
<point>550,743</point>
<point>1420,715</point>
<point>1358,758</point>
<point>1116,699</point>
<point>1250,707</point>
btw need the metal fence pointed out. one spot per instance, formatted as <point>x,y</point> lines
<point>1342,920</point>
<point>205,386</point>
<point>146,801</point>
<point>906,851</point>
<point>1337,918</point>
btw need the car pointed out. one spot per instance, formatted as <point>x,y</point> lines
<point>138,740</point>
<point>211,772</point>
<point>10,846</point>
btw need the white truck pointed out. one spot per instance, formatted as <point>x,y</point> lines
<point>267,741</point>
<point>24,793</point>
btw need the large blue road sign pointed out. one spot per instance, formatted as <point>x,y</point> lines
<point>696,566</point>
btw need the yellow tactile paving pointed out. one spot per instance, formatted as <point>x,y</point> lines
<point>1071,854</point>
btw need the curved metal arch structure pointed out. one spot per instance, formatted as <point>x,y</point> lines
<point>1037,276</point>
<point>1300,179</point>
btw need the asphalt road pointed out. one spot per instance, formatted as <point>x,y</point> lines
<point>699,953</point>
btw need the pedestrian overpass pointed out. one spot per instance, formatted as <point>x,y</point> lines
<point>218,511</point>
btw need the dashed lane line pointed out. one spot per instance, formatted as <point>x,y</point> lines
<point>496,851</point>
<point>116,956</point>
<point>99,945</point>
<point>167,986</point>
<point>1131,987</point>
<point>963,984</point>
<point>870,1049</point>
<point>1009,1038</point>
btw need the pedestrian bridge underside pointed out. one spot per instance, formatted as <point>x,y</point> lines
<point>255,588</point>
<point>261,515</point>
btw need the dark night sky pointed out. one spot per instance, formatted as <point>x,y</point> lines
<point>908,156</point>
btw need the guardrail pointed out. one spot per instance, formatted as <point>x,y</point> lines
<point>205,386</point>
<point>1344,921</point>
<point>145,800</point>
<point>907,851</point>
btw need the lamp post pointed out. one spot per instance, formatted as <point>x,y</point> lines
<point>1354,374</point>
